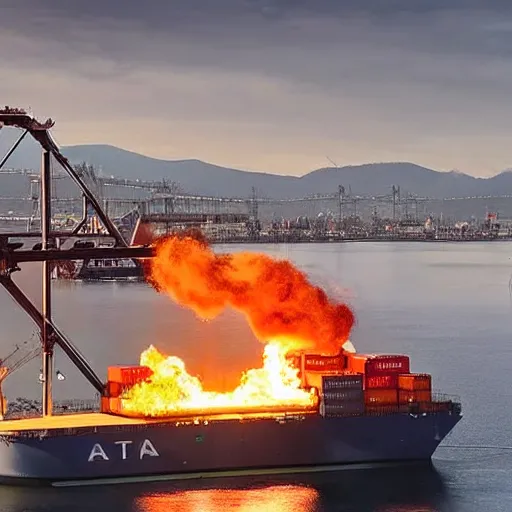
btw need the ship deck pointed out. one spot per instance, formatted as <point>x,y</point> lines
<point>96,419</point>
<point>93,419</point>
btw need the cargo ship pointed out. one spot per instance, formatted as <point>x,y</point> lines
<point>364,409</point>
<point>384,414</point>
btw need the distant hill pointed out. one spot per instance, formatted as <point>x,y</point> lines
<point>194,176</point>
<point>199,177</point>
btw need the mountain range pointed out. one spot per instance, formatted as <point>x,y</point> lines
<point>195,176</point>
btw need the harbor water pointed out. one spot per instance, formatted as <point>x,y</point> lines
<point>447,305</point>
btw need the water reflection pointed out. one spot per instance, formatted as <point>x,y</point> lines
<point>400,489</point>
<point>391,489</point>
<point>286,498</point>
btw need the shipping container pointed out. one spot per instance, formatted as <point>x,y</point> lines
<point>406,396</point>
<point>341,408</point>
<point>378,364</point>
<point>342,381</point>
<point>314,380</point>
<point>128,375</point>
<point>381,396</point>
<point>381,381</point>
<point>345,395</point>
<point>317,362</point>
<point>114,405</point>
<point>415,381</point>
<point>326,380</point>
<point>115,389</point>
<point>320,363</point>
<point>104,405</point>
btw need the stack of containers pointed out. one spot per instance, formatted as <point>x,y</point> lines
<point>342,395</point>
<point>119,379</point>
<point>381,373</point>
<point>415,388</point>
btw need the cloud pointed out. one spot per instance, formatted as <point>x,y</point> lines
<point>136,29</point>
<point>270,84</point>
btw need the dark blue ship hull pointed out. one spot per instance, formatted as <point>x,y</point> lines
<point>201,449</point>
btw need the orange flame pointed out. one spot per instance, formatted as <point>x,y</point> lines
<point>283,308</point>
<point>171,389</point>
<point>276,297</point>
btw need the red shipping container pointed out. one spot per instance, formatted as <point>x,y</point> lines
<point>323,363</point>
<point>408,397</point>
<point>317,362</point>
<point>378,364</point>
<point>104,405</point>
<point>114,389</point>
<point>381,381</point>
<point>128,375</point>
<point>381,397</point>
<point>415,381</point>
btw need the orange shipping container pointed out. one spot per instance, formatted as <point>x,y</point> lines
<point>114,405</point>
<point>407,397</point>
<point>314,379</point>
<point>381,397</point>
<point>415,381</point>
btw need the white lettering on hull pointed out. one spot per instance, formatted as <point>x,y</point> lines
<point>123,447</point>
<point>97,451</point>
<point>146,448</point>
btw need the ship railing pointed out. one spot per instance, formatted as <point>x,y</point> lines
<point>413,408</point>
<point>440,402</point>
<point>77,405</point>
<point>443,398</point>
<point>24,409</point>
<point>451,402</point>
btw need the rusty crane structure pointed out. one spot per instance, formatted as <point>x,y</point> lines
<point>13,254</point>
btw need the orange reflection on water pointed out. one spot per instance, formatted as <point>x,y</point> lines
<point>269,499</point>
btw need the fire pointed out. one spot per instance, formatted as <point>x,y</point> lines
<point>171,389</point>
<point>284,309</point>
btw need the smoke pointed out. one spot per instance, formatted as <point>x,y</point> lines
<point>349,347</point>
<point>277,299</point>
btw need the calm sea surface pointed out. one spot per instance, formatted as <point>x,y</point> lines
<point>446,305</point>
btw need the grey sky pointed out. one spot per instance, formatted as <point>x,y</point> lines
<point>271,85</point>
